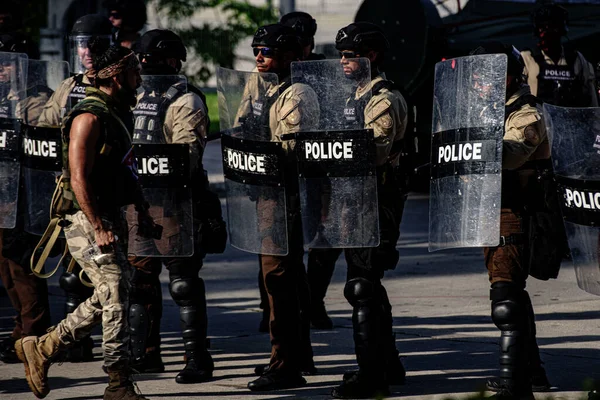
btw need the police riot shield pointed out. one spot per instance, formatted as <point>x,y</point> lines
<point>336,156</point>
<point>163,171</point>
<point>13,75</point>
<point>466,152</point>
<point>253,164</point>
<point>42,145</point>
<point>575,138</point>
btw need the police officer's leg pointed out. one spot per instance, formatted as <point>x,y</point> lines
<point>76,293</point>
<point>510,313</point>
<point>28,293</point>
<point>363,291</point>
<point>321,264</point>
<point>188,292</point>
<point>7,346</point>
<point>539,379</point>
<point>264,301</point>
<point>281,275</point>
<point>145,312</point>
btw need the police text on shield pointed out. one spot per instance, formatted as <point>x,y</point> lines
<point>581,199</point>
<point>328,150</point>
<point>247,162</point>
<point>460,152</point>
<point>40,148</point>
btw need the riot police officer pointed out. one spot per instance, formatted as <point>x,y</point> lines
<point>180,116</point>
<point>287,108</point>
<point>305,27</point>
<point>128,17</point>
<point>557,74</point>
<point>526,153</point>
<point>27,293</point>
<point>69,93</point>
<point>386,113</point>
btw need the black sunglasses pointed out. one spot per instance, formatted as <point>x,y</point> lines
<point>348,54</point>
<point>265,51</point>
<point>115,15</point>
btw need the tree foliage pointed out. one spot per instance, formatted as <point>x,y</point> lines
<point>214,43</point>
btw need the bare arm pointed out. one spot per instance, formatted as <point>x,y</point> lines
<point>84,135</point>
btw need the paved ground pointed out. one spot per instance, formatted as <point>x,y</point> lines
<point>441,321</point>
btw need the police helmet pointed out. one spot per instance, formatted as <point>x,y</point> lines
<point>277,36</point>
<point>550,15</point>
<point>16,42</point>
<point>162,43</point>
<point>303,23</point>
<point>362,37</point>
<point>132,12</point>
<point>92,24</point>
<point>515,60</point>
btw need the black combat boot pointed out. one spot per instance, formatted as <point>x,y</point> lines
<point>276,380</point>
<point>7,351</point>
<point>199,364</point>
<point>510,315</point>
<point>76,292</point>
<point>370,380</point>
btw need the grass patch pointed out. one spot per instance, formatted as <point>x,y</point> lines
<point>213,112</point>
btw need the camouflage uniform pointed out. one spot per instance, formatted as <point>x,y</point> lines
<point>108,303</point>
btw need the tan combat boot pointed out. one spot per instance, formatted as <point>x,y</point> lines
<point>120,386</point>
<point>36,353</point>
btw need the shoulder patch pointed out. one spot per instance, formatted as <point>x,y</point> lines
<point>385,121</point>
<point>532,136</point>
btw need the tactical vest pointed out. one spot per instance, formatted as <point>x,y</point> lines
<point>558,84</point>
<point>257,120</point>
<point>113,177</point>
<point>76,94</point>
<point>354,111</point>
<point>150,113</point>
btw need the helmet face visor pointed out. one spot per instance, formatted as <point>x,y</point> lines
<point>80,57</point>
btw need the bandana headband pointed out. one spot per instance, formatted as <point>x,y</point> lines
<point>130,61</point>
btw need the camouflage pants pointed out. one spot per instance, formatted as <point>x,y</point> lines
<point>108,303</point>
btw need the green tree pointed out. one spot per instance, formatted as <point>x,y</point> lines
<point>213,44</point>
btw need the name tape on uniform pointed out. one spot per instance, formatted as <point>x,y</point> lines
<point>558,74</point>
<point>581,201</point>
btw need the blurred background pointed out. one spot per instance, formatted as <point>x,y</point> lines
<point>421,32</point>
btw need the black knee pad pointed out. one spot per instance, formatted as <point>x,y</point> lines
<point>185,291</point>
<point>358,290</point>
<point>509,306</point>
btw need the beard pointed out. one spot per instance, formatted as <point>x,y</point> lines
<point>127,95</point>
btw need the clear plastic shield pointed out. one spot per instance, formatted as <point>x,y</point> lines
<point>466,152</point>
<point>252,163</point>
<point>42,145</point>
<point>80,57</point>
<point>13,71</point>
<point>336,161</point>
<point>575,137</point>
<point>163,171</point>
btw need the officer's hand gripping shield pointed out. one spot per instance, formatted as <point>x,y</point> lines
<point>13,76</point>
<point>42,144</point>
<point>164,172</point>
<point>575,138</point>
<point>253,163</point>
<point>466,152</point>
<point>336,156</point>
